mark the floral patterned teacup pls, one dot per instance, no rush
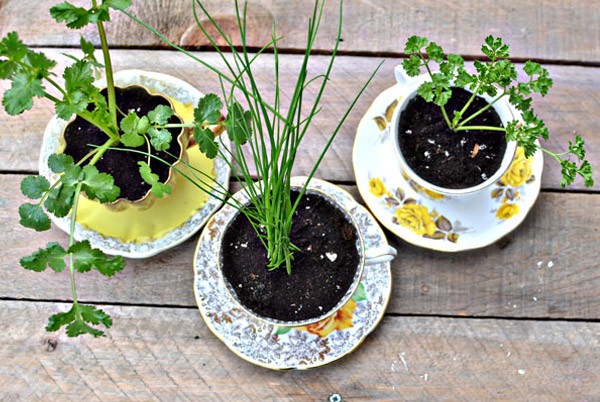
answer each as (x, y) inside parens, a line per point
(408, 86)
(331, 318)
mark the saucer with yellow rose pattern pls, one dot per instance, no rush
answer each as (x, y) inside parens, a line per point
(303, 347)
(428, 219)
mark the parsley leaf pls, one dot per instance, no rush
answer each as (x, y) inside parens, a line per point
(53, 256)
(238, 124)
(100, 186)
(34, 217)
(75, 17)
(158, 189)
(87, 258)
(133, 128)
(160, 115)
(34, 186)
(76, 320)
(206, 141)
(20, 95)
(160, 138)
(208, 110)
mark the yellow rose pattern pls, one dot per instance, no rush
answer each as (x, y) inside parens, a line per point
(508, 188)
(407, 212)
(341, 320)
(376, 187)
(415, 217)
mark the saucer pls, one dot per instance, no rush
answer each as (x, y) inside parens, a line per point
(304, 347)
(170, 220)
(423, 217)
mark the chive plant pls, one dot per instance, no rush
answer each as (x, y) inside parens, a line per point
(271, 133)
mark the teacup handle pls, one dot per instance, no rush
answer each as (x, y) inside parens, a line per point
(401, 77)
(380, 254)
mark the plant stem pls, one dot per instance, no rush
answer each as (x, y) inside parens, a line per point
(466, 106)
(443, 108)
(490, 128)
(489, 105)
(72, 241)
(110, 83)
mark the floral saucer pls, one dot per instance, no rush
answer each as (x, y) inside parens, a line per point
(304, 347)
(136, 233)
(428, 219)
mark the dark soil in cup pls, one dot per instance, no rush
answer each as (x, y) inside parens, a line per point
(123, 166)
(322, 272)
(446, 158)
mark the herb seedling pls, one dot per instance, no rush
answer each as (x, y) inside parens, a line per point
(272, 133)
(496, 77)
(30, 72)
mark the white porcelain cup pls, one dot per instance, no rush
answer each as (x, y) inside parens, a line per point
(408, 90)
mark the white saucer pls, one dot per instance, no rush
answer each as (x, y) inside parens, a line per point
(199, 212)
(282, 348)
(426, 219)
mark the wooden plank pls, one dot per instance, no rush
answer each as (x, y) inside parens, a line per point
(547, 268)
(571, 107)
(169, 354)
(566, 30)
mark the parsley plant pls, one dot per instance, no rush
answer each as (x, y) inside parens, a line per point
(496, 77)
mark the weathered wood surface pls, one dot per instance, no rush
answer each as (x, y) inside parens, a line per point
(571, 106)
(547, 268)
(565, 30)
(169, 354)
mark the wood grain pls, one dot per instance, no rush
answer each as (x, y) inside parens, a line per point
(566, 30)
(169, 354)
(570, 107)
(509, 279)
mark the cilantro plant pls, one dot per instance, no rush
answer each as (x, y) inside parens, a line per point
(498, 78)
(271, 132)
(31, 76)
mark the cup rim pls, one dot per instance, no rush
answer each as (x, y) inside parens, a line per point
(504, 110)
(242, 196)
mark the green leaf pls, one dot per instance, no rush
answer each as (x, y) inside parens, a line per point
(58, 320)
(238, 124)
(20, 95)
(435, 52)
(117, 4)
(73, 103)
(79, 75)
(206, 141)
(577, 149)
(158, 189)
(87, 258)
(414, 44)
(426, 91)
(34, 186)
(412, 66)
(76, 318)
(208, 110)
(12, 47)
(360, 294)
(160, 115)
(53, 256)
(160, 138)
(75, 17)
(100, 186)
(58, 163)
(34, 217)
(133, 127)
(60, 200)
(40, 63)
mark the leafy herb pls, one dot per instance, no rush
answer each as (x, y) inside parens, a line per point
(30, 73)
(498, 78)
